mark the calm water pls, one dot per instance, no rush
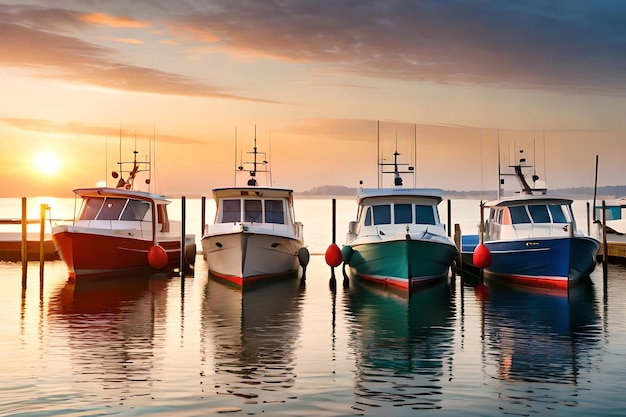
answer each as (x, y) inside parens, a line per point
(196, 347)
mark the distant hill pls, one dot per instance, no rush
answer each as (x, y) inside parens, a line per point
(337, 190)
(606, 192)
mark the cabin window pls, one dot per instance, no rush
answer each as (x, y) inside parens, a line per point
(91, 208)
(519, 215)
(539, 213)
(112, 208)
(382, 214)
(274, 212)
(424, 214)
(252, 211)
(402, 214)
(493, 216)
(135, 210)
(231, 211)
(368, 217)
(557, 212)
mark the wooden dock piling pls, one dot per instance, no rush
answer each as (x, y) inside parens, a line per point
(24, 242)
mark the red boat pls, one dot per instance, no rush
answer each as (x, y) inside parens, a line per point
(120, 230)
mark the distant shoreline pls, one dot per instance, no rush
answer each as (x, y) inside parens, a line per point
(604, 192)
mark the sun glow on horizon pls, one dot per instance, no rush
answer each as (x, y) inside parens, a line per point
(47, 163)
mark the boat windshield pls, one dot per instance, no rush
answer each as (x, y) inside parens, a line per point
(402, 214)
(540, 213)
(114, 209)
(254, 211)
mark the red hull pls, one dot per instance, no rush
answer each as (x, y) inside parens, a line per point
(251, 281)
(92, 255)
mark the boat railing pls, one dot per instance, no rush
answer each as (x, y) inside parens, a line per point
(298, 229)
(534, 230)
(230, 226)
(140, 228)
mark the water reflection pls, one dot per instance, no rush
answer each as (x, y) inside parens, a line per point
(249, 338)
(108, 328)
(540, 337)
(402, 345)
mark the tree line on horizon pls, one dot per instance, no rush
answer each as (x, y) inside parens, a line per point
(611, 191)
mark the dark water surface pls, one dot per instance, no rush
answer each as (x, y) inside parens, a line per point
(197, 347)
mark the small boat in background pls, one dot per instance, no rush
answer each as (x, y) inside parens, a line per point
(532, 238)
(397, 238)
(615, 227)
(255, 235)
(119, 230)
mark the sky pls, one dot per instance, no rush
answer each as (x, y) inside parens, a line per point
(327, 87)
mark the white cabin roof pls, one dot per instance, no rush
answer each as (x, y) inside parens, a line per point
(528, 199)
(232, 192)
(119, 193)
(397, 192)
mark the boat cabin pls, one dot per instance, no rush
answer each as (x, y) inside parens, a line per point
(117, 212)
(529, 218)
(402, 209)
(270, 208)
(254, 206)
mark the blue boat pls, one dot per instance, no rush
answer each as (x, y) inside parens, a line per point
(533, 239)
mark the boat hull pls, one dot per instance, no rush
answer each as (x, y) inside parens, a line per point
(244, 258)
(90, 255)
(405, 264)
(546, 262)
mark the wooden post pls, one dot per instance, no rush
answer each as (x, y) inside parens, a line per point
(203, 216)
(24, 242)
(334, 231)
(333, 280)
(588, 220)
(457, 243)
(482, 236)
(449, 218)
(604, 248)
(42, 236)
(182, 238)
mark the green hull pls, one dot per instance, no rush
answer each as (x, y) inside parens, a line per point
(402, 263)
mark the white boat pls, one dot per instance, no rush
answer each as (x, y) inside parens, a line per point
(615, 219)
(397, 238)
(255, 235)
(120, 230)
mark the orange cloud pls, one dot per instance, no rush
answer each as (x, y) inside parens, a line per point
(73, 129)
(64, 57)
(104, 19)
(130, 41)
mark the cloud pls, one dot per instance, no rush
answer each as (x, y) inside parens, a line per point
(130, 41)
(52, 55)
(74, 129)
(523, 44)
(113, 21)
(527, 44)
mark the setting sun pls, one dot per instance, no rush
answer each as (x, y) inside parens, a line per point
(47, 163)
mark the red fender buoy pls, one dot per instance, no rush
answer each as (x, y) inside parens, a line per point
(333, 255)
(481, 257)
(157, 257)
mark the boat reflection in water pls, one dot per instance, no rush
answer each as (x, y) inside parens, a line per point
(108, 328)
(248, 338)
(402, 344)
(542, 337)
